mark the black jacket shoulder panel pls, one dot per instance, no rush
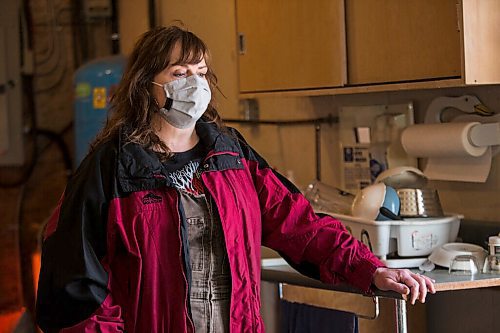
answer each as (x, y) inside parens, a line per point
(73, 282)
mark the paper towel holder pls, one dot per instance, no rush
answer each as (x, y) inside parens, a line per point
(467, 139)
(487, 133)
(468, 104)
(484, 135)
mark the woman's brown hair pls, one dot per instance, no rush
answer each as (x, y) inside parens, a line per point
(133, 104)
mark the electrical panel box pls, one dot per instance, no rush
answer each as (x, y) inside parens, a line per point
(11, 110)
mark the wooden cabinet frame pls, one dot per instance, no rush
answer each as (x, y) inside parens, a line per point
(479, 25)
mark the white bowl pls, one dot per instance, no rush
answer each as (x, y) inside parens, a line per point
(401, 177)
(368, 201)
(445, 254)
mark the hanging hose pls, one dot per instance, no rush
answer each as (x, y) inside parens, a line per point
(58, 140)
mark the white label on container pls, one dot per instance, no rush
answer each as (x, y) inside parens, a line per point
(423, 241)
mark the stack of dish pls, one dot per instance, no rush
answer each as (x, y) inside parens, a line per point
(417, 199)
(400, 218)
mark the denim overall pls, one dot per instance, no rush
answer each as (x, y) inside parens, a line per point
(211, 284)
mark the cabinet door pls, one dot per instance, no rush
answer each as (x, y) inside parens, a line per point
(394, 40)
(290, 44)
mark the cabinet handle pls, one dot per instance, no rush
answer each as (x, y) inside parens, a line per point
(459, 16)
(242, 42)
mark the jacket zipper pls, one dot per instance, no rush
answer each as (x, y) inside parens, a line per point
(186, 296)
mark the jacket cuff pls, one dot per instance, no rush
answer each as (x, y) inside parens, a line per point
(362, 273)
(358, 274)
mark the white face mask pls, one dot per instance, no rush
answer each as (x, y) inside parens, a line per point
(187, 100)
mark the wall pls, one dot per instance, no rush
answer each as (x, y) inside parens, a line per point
(133, 20)
(291, 149)
(286, 148)
(27, 199)
(477, 201)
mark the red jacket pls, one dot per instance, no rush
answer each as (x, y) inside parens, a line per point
(115, 256)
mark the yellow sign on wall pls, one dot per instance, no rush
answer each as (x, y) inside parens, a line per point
(99, 98)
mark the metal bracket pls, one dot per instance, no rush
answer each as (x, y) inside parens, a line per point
(375, 300)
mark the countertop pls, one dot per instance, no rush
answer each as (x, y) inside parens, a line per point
(277, 270)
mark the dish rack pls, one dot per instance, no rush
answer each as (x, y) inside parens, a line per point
(406, 243)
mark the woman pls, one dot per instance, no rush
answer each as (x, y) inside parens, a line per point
(160, 228)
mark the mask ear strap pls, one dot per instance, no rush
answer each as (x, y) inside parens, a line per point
(168, 103)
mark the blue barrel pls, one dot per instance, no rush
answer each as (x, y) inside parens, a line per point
(94, 84)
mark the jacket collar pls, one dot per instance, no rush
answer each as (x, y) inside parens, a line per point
(216, 140)
(140, 169)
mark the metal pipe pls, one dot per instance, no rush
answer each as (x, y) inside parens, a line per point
(400, 315)
(376, 311)
(317, 130)
(324, 120)
(115, 33)
(152, 14)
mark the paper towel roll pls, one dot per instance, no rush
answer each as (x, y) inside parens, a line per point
(449, 153)
(464, 169)
(440, 140)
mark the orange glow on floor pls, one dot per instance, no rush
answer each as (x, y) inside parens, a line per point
(35, 262)
(10, 320)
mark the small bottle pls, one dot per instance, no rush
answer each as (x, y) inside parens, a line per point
(492, 262)
(494, 245)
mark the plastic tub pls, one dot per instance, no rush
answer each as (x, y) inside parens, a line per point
(412, 237)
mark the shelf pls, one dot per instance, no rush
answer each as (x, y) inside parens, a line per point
(448, 83)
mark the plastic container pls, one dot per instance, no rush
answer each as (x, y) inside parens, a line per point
(494, 245)
(492, 261)
(94, 85)
(409, 238)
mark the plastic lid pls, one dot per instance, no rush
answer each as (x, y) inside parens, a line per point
(494, 240)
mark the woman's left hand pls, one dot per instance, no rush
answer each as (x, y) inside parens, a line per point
(405, 282)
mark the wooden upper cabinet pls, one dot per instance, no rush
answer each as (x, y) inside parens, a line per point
(396, 41)
(481, 35)
(290, 44)
(298, 47)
